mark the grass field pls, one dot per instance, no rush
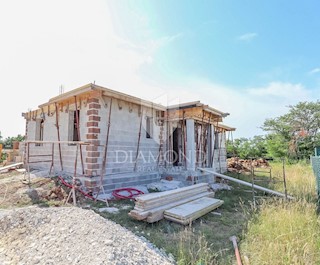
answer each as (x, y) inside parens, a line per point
(274, 232)
(285, 232)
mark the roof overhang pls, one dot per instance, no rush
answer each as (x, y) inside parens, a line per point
(102, 92)
(194, 104)
(225, 127)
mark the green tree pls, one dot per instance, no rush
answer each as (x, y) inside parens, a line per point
(246, 147)
(8, 142)
(277, 146)
(296, 133)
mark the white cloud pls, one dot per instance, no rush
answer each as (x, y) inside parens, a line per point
(247, 36)
(314, 71)
(248, 108)
(46, 44)
(281, 90)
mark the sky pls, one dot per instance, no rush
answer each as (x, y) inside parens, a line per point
(251, 59)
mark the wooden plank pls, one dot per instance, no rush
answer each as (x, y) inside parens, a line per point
(188, 212)
(156, 214)
(157, 195)
(178, 196)
(57, 142)
(193, 113)
(11, 166)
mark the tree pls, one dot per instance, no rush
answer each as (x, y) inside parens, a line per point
(296, 133)
(8, 142)
(277, 146)
(246, 147)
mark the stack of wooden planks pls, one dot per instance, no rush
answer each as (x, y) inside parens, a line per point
(151, 207)
(186, 213)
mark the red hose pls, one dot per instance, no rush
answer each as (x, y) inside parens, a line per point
(116, 193)
(132, 193)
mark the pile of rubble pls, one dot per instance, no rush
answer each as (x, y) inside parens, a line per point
(244, 165)
(70, 235)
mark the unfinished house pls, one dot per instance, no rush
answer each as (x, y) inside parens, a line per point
(109, 139)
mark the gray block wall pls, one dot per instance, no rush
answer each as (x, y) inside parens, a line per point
(124, 135)
(50, 134)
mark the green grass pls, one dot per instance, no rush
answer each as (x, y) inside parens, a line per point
(205, 242)
(285, 232)
(274, 232)
(301, 182)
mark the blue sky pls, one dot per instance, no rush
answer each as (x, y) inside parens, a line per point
(248, 58)
(236, 43)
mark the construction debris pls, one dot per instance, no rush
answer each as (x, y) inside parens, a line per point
(235, 164)
(184, 214)
(56, 193)
(220, 186)
(109, 210)
(70, 235)
(16, 165)
(164, 185)
(151, 207)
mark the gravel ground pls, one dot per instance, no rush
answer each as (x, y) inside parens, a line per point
(70, 235)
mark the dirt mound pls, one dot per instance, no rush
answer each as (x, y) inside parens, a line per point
(70, 235)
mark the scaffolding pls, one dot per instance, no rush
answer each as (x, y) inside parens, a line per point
(49, 157)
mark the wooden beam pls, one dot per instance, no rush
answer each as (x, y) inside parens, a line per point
(11, 166)
(196, 113)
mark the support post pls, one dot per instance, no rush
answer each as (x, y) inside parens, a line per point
(219, 153)
(284, 178)
(74, 178)
(52, 159)
(184, 139)
(138, 145)
(78, 130)
(191, 151)
(58, 132)
(212, 146)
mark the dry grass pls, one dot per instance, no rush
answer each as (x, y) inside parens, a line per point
(286, 232)
(283, 233)
(301, 182)
(194, 250)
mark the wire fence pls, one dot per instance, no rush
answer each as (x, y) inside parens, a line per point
(315, 161)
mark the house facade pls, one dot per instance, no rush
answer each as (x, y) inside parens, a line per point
(124, 140)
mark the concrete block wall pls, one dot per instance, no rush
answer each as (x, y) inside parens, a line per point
(220, 157)
(93, 117)
(122, 145)
(123, 137)
(68, 152)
